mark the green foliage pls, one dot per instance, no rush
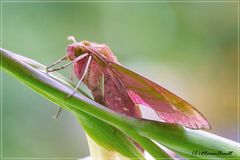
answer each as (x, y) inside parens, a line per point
(110, 129)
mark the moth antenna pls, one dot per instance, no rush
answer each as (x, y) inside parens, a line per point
(72, 38)
(93, 51)
(58, 113)
(89, 49)
(55, 63)
(80, 81)
(75, 60)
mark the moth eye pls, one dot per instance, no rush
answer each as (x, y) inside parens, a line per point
(78, 51)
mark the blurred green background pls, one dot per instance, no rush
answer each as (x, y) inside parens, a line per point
(189, 48)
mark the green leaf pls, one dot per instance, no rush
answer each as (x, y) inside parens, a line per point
(181, 140)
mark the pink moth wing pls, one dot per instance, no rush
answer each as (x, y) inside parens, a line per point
(168, 106)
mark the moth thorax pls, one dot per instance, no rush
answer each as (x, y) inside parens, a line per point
(86, 43)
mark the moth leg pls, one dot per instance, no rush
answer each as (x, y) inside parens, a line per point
(55, 63)
(102, 84)
(58, 113)
(56, 69)
(72, 75)
(75, 60)
(80, 81)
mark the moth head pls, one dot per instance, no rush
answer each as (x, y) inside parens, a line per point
(76, 48)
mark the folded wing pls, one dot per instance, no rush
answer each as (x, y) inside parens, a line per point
(168, 106)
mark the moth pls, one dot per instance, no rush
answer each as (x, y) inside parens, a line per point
(123, 90)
